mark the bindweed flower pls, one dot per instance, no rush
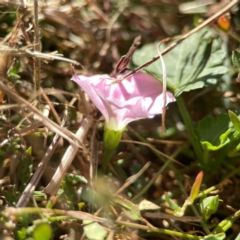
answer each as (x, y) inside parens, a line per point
(137, 97)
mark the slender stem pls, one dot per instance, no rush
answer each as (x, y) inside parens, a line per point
(158, 230)
(111, 140)
(106, 159)
(36, 46)
(188, 123)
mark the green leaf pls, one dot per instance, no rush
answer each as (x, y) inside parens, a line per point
(10, 197)
(69, 191)
(129, 208)
(29, 151)
(93, 230)
(236, 59)
(209, 206)
(213, 132)
(225, 224)
(195, 187)
(171, 203)
(193, 64)
(42, 231)
(24, 170)
(69, 184)
(74, 179)
(219, 236)
(216, 133)
(21, 234)
(235, 120)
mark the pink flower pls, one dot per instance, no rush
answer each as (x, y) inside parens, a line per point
(139, 96)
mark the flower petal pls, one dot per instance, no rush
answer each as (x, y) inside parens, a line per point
(139, 96)
(87, 84)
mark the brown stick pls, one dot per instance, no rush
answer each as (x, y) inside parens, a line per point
(36, 61)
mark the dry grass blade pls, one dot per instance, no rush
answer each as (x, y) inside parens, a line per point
(28, 5)
(49, 103)
(38, 115)
(70, 153)
(133, 178)
(164, 83)
(84, 216)
(74, 214)
(35, 54)
(36, 46)
(28, 191)
(160, 215)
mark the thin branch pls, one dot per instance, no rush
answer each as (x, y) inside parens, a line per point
(36, 46)
(184, 37)
(157, 230)
(164, 84)
(49, 103)
(36, 54)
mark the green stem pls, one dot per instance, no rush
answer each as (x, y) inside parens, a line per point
(106, 159)
(188, 123)
(111, 140)
(158, 230)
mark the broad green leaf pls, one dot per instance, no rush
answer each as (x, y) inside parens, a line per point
(212, 131)
(42, 231)
(216, 133)
(209, 206)
(24, 170)
(217, 137)
(93, 230)
(193, 64)
(235, 120)
(236, 59)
